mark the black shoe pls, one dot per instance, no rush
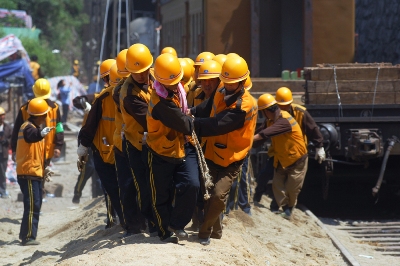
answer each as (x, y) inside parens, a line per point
(257, 197)
(180, 233)
(205, 241)
(76, 199)
(30, 242)
(171, 239)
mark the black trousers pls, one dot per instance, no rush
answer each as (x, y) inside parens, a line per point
(178, 182)
(32, 193)
(140, 172)
(109, 181)
(127, 194)
(266, 174)
(3, 169)
(83, 177)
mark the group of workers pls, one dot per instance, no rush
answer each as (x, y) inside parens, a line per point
(168, 138)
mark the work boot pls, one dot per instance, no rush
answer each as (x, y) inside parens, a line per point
(171, 239)
(76, 199)
(205, 241)
(180, 233)
(257, 197)
(287, 212)
(30, 242)
(274, 208)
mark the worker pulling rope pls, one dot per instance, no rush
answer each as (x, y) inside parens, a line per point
(205, 172)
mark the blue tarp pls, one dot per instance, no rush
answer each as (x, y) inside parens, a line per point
(17, 68)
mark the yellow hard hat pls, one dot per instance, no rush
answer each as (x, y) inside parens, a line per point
(248, 84)
(210, 69)
(190, 60)
(2, 111)
(121, 61)
(167, 69)
(138, 58)
(114, 75)
(169, 50)
(187, 70)
(235, 69)
(76, 62)
(105, 67)
(203, 57)
(284, 96)
(220, 58)
(42, 88)
(38, 106)
(266, 100)
(230, 55)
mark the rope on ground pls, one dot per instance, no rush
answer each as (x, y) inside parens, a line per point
(205, 172)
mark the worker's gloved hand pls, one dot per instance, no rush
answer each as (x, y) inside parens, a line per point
(81, 163)
(82, 150)
(87, 107)
(144, 138)
(47, 174)
(46, 131)
(320, 154)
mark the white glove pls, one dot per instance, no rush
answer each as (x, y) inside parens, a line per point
(87, 108)
(320, 154)
(144, 138)
(82, 150)
(46, 131)
(47, 174)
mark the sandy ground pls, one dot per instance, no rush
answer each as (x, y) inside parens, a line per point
(75, 235)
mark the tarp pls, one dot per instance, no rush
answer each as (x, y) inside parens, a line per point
(77, 88)
(10, 45)
(17, 68)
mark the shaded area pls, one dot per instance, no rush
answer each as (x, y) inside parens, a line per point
(350, 192)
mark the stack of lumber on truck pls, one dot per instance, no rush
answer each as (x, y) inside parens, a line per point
(372, 83)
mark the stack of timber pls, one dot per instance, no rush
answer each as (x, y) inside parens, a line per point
(356, 84)
(271, 85)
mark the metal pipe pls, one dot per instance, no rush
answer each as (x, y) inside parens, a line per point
(375, 190)
(127, 23)
(102, 44)
(338, 161)
(119, 26)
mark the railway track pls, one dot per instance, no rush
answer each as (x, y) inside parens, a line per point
(385, 236)
(381, 236)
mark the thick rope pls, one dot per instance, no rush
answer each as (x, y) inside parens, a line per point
(205, 172)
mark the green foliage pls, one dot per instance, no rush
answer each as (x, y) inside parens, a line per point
(11, 21)
(51, 64)
(8, 4)
(60, 22)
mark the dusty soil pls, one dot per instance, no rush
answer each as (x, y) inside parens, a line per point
(75, 235)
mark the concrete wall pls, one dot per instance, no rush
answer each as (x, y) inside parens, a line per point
(329, 31)
(227, 27)
(378, 29)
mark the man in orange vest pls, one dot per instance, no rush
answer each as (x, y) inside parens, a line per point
(290, 153)
(228, 133)
(36, 70)
(174, 172)
(30, 158)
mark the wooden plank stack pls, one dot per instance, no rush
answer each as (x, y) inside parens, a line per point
(356, 84)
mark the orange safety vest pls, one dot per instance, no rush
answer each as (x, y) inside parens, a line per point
(233, 146)
(132, 129)
(29, 156)
(298, 114)
(76, 70)
(288, 147)
(51, 121)
(35, 69)
(119, 122)
(104, 138)
(191, 93)
(163, 140)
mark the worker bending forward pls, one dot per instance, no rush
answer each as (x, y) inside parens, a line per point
(290, 153)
